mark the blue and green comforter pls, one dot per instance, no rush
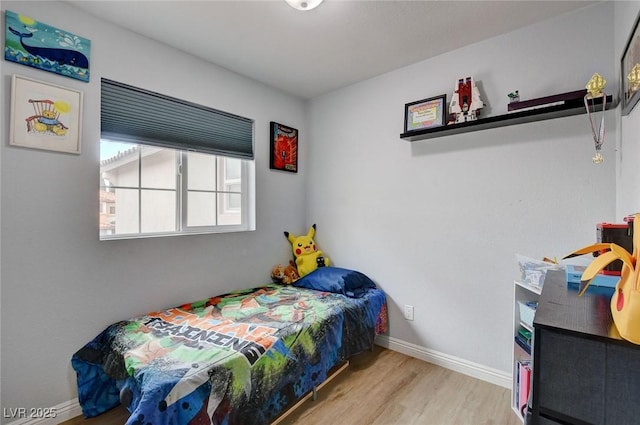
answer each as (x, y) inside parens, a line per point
(240, 358)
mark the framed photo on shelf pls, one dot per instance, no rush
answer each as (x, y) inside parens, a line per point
(630, 66)
(426, 113)
(45, 116)
(284, 148)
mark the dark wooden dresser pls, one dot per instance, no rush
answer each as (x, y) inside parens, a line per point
(583, 372)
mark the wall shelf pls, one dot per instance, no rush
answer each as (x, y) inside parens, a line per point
(571, 107)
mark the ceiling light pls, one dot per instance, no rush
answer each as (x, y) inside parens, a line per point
(304, 4)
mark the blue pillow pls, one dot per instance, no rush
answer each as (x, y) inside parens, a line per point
(338, 280)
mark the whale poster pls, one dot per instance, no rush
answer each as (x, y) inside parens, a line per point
(33, 43)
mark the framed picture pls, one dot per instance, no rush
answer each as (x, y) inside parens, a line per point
(284, 148)
(45, 116)
(36, 44)
(426, 113)
(630, 66)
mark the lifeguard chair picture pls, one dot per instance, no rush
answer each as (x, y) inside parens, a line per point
(44, 116)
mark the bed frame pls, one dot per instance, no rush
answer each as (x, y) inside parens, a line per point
(313, 394)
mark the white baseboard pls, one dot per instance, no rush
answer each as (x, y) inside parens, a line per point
(475, 370)
(62, 412)
(71, 408)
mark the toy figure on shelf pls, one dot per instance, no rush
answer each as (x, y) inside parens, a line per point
(514, 96)
(465, 102)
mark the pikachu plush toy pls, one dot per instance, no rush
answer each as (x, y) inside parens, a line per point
(308, 257)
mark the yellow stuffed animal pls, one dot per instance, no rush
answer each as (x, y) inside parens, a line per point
(308, 257)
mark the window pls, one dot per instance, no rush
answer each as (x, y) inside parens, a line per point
(168, 166)
(147, 190)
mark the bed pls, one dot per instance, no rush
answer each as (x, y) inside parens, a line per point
(240, 358)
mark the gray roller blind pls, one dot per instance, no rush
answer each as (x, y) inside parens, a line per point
(131, 114)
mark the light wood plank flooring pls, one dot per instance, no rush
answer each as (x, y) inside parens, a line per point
(384, 387)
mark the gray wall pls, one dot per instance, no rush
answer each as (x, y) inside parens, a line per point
(60, 284)
(437, 223)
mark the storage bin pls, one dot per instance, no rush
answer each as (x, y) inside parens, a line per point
(527, 312)
(533, 272)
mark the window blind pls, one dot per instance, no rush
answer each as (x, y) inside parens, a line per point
(135, 115)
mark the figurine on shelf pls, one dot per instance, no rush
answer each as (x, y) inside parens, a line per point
(466, 102)
(514, 96)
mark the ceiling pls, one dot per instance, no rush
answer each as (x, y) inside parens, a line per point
(307, 54)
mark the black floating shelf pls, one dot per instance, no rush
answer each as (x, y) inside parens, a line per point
(571, 107)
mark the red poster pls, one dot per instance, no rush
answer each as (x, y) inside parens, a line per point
(284, 148)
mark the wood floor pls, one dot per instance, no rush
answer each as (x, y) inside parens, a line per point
(384, 387)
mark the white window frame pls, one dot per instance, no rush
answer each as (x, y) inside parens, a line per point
(247, 195)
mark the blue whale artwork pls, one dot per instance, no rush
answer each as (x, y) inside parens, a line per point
(32, 43)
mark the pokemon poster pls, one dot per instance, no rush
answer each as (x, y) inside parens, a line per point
(284, 148)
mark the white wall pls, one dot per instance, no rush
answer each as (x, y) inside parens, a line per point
(60, 284)
(628, 175)
(437, 223)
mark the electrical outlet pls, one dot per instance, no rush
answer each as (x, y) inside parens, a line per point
(408, 312)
